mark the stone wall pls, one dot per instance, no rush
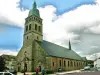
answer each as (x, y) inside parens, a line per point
(21, 56)
(66, 64)
(39, 56)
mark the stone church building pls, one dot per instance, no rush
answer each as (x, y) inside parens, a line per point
(37, 52)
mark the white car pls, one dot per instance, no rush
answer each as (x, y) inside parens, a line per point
(6, 73)
(87, 68)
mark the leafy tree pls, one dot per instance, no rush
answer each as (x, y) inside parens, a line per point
(2, 64)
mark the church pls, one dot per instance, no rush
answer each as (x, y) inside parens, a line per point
(40, 53)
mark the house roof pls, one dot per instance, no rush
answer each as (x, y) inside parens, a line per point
(84, 59)
(58, 51)
(8, 57)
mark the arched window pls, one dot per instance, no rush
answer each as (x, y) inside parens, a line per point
(39, 29)
(37, 38)
(39, 21)
(68, 63)
(77, 64)
(26, 28)
(30, 27)
(27, 37)
(53, 63)
(34, 18)
(35, 26)
(60, 62)
(74, 64)
(64, 63)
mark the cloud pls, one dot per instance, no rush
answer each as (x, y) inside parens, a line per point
(80, 26)
(11, 14)
(93, 56)
(67, 24)
(8, 52)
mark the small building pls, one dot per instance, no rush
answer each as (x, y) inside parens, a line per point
(10, 61)
(90, 62)
(84, 61)
(40, 53)
(97, 63)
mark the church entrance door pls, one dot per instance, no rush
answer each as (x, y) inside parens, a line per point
(40, 68)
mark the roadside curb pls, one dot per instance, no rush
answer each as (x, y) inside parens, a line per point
(57, 73)
(70, 72)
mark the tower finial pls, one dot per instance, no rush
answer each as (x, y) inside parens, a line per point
(35, 5)
(69, 45)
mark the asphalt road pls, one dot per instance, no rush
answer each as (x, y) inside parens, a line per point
(85, 73)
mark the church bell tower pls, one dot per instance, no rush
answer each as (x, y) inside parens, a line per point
(33, 26)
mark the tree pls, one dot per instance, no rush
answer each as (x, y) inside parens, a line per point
(2, 64)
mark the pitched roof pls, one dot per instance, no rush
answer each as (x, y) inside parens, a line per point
(9, 57)
(84, 59)
(58, 51)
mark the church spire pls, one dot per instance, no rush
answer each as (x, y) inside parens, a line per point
(34, 10)
(34, 5)
(69, 45)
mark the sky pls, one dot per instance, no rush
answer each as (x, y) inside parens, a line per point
(77, 20)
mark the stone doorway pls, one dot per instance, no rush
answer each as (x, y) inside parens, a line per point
(18, 68)
(40, 68)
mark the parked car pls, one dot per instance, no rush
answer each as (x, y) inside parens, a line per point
(13, 71)
(97, 64)
(87, 68)
(6, 73)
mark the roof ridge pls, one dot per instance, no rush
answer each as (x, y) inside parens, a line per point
(56, 50)
(55, 44)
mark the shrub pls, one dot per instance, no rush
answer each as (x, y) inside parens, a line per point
(49, 71)
(22, 71)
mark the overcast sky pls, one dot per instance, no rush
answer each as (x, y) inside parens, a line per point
(77, 20)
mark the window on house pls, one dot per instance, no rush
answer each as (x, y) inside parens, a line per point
(26, 28)
(35, 26)
(30, 27)
(39, 29)
(60, 62)
(64, 63)
(53, 63)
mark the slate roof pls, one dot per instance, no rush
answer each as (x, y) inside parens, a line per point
(84, 59)
(58, 51)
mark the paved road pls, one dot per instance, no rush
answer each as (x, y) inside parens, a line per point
(84, 73)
